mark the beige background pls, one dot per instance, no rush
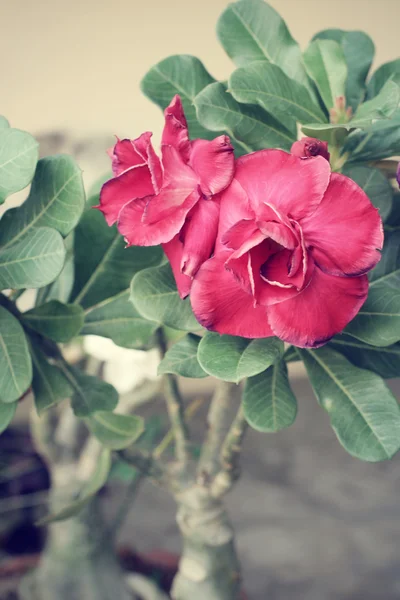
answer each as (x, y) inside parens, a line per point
(76, 65)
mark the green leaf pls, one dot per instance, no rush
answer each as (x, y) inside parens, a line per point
(267, 85)
(103, 266)
(383, 361)
(182, 360)
(32, 262)
(364, 414)
(49, 385)
(56, 200)
(15, 362)
(359, 50)
(116, 318)
(374, 184)
(380, 140)
(97, 480)
(233, 358)
(7, 411)
(251, 30)
(4, 124)
(326, 65)
(90, 394)
(18, 158)
(60, 289)
(268, 402)
(154, 295)
(250, 126)
(180, 74)
(115, 431)
(387, 71)
(55, 320)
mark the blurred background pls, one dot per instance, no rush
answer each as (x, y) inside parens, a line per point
(312, 522)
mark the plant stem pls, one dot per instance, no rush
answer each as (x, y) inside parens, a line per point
(145, 463)
(216, 421)
(169, 436)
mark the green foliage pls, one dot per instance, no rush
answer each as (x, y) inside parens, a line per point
(115, 431)
(7, 411)
(363, 412)
(251, 127)
(383, 361)
(182, 359)
(267, 85)
(18, 158)
(32, 262)
(233, 358)
(49, 384)
(15, 362)
(268, 401)
(326, 65)
(154, 295)
(380, 140)
(374, 184)
(116, 318)
(54, 320)
(387, 71)
(90, 394)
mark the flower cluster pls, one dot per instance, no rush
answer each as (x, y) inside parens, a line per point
(270, 244)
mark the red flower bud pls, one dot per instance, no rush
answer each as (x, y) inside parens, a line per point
(308, 147)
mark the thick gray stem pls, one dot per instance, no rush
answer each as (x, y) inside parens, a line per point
(209, 568)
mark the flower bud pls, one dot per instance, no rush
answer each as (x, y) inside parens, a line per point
(308, 147)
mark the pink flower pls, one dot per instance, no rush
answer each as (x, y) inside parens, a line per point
(169, 201)
(308, 147)
(293, 246)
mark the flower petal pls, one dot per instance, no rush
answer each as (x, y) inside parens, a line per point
(176, 129)
(320, 311)
(345, 231)
(293, 185)
(214, 163)
(234, 208)
(221, 305)
(144, 148)
(174, 251)
(124, 156)
(130, 185)
(199, 234)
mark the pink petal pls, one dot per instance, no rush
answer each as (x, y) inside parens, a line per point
(174, 251)
(280, 233)
(176, 130)
(124, 156)
(221, 305)
(137, 231)
(214, 163)
(345, 231)
(320, 311)
(134, 183)
(144, 148)
(239, 233)
(199, 234)
(294, 186)
(234, 208)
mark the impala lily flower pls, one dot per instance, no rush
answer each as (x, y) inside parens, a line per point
(308, 147)
(294, 244)
(169, 201)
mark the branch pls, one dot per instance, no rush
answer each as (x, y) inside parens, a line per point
(146, 464)
(175, 408)
(216, 421)
(230, 456)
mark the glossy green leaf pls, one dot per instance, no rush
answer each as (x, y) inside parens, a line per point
(383, 361)
(32, 262)
(181, 358)
(116, 318)
(326, 65)
(380, 140)
(251, 127)
(268, 401)
(115, 431)
(60, 289)
(363, 412)
(154, 295)
(180, 74)
(387, 71)
(15, 362)
(97, 480)
(374, 184)
(55, 320)
(267, 85)
(378, 322)
(7, 412)
(251, 30)
(18, 158)
(4, 124)
(103, 266)
(90, 394)
(233, 358)
(359, 50)
(49, 385)
(56, 200)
